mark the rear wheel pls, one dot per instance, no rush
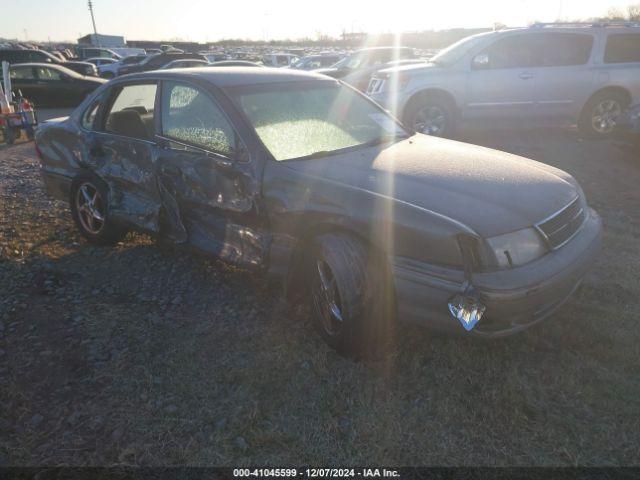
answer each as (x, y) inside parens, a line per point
(601, 113)
(431, 115)
(89, 202)
(351, 297)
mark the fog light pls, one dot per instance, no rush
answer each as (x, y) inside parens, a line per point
(467, 309)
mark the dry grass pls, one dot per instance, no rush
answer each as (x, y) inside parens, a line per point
(229, 375)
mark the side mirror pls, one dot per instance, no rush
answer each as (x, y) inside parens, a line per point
(481, 60)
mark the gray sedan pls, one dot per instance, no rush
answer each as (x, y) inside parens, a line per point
(302, 178)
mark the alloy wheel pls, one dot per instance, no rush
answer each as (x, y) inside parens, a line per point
(605, 115)
(90, 208)
(326, 299)
(430, 120)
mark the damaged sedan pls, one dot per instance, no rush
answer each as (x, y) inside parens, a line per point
(301, 177)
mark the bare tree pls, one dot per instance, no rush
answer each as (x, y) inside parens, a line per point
(633, 11)
(614, 14)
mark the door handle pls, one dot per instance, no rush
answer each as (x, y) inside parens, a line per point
(526, 75)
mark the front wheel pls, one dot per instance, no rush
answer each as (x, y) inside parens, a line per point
(601, 114)
(89, 209)
(351, 297)
(431, 115)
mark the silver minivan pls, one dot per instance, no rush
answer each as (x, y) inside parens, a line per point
(585, 73)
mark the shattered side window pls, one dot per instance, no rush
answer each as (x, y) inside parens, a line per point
(189, 115)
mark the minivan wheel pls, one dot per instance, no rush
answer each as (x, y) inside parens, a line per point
(431, 115)
(351, 298)
(600, 115)
(88, 199)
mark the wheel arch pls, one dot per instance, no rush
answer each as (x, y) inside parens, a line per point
(608, 89)
(294, 283)
(431, 92)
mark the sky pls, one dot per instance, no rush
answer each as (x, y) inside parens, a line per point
(209, 20)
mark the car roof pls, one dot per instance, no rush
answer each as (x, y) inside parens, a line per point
(55, 66)
(235, 76)
(570, 28)
(39, 64)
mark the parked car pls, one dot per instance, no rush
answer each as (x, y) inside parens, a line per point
(156, 61)
(313, 62)
(279, 59)
(188, 63)
(84, 53)
(68, 54)
(368, 223)
(40, 56)
(170, 48)
(212, 57)
(48, 85)
(58, 56)
(357, 68)
(107, 67)
(582, 73)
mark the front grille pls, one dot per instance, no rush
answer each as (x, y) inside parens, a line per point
(560, 227)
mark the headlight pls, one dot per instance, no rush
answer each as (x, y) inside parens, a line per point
(386, 82)
(517, 248)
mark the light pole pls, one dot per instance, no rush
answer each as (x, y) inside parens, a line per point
(93, 20)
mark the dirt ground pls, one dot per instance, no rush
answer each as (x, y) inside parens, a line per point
(149, 355)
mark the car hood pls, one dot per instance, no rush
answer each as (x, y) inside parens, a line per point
(417, 68)
(490, 191)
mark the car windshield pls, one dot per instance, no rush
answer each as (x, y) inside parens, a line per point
(301, 62)
(456, 51)
(314, 119)
(352, 61)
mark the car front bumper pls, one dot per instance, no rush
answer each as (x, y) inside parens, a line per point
(515, 299)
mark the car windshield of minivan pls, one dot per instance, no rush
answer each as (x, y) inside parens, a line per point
(454, 52)
(314, 120)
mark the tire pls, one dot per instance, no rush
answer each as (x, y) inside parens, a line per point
(351, 297)
(432, 115)
(606, 106)
(99, 231)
